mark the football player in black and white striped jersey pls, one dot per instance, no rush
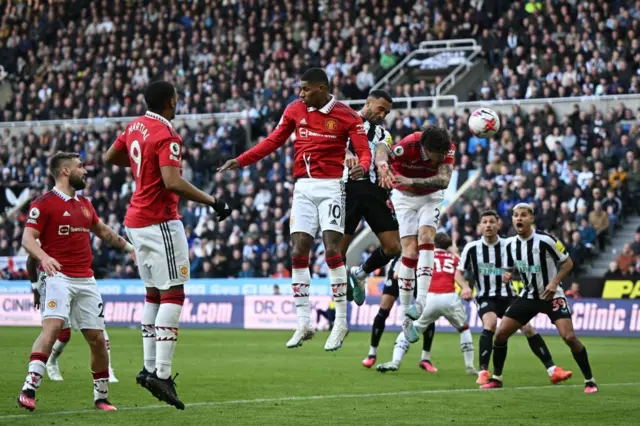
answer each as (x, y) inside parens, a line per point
(543, 262)
(484, 258)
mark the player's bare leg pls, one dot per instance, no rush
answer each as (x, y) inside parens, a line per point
(579, 352)
(424, 273)
(40, 352)
(99, 368)
(539, 348)
(53, 369)
(379, 322)
(389, 248)
(489, 322)
(508, 327)
(300, 282)
(407, 271)
(160, 383)
(338, 280)
(107, 342)
(148, 328)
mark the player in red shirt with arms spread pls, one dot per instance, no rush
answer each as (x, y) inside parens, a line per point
(322, 127)
(421, 168)
(443, 301)
(153, 150)
(62, 220)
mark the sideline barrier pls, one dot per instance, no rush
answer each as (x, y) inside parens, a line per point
(592, 317)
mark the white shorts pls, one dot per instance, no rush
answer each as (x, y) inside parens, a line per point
(414, 211)
(77, 301)
(162, 253)
(446, 305)
(318, 202)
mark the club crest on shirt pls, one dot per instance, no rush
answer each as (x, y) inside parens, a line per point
(52, 304)
(331, 124)
(86, 212)
(184, 271)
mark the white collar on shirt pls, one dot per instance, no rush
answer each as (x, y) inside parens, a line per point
(64, 196)
(486, 243)
(158, 117)
(325, 109)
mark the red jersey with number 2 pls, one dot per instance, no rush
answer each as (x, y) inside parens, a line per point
(444, 272)
(151, 143)
(411, 160)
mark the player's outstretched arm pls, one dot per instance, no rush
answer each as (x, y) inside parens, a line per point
(117, 153)
(439, 181)
(30, 244)
(176, 183)
(275, 140)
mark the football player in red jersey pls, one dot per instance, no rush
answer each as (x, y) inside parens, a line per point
(421, 168)
(153, 150)
(443, 301)
(322, 127)
(62, 220)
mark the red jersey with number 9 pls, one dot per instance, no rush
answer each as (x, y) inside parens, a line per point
(151, 143)
(444, 272)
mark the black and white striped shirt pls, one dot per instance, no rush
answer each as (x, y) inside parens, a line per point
(537, 259)
(376, 135)
(486, 262)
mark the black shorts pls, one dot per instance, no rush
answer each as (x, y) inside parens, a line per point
(523, 310)
(497, 305)
(367, 200)
(391, 287)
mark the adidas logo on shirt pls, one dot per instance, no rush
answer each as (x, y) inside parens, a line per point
(66, 214)
(303, 122)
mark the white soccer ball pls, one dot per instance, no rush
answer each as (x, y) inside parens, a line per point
(484, 123)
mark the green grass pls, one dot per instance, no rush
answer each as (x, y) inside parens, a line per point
(255, 373)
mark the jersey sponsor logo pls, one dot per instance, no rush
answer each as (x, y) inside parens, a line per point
(332, 124)
(86, 212)
(525, 268)
(489, 269)
(66, 213)
(66, 230)
(304, 133)
(51, 304)
(184, 271)
(398, 151)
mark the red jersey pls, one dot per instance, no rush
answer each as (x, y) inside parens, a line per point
(151, 143)
(64, 224)
(444, 272)
(411, 160)
(321, 137)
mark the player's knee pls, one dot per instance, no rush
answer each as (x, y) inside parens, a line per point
(383, 314)
(571, 339)
(174, 295)
(500, 338)
(332, 250)
(392, 249)
(96, 341)
(528, 330)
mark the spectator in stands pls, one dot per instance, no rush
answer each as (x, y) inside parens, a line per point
(578, 252)
(614, 271)
(635, 246)
(599, 219)
(627, 258)
(574, 291)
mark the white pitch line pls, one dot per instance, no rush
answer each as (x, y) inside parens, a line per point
(314, 398)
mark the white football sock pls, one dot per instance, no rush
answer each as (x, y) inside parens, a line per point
(400, 349)
(373, 351)
(148, 320)
(466, 345)
(166, 325)
(108, 344)
(301, 280)
(406, 282)
(56, 351)
(34, 375)
(101, 385)
(426, 355)
(550, 370)
(338, 280)
(424, 272)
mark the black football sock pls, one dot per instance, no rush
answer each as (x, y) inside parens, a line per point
(583, 362)
(428, 336)
(486, 346)
(499, 357)
(377, 260)
(378, 326)
(539, 347)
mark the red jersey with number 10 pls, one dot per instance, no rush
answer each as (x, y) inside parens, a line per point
(444, 272)
(321, 137)
(64, 224)
(151, 143)
(411, 160)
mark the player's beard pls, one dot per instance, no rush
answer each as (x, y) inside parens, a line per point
(77, 182)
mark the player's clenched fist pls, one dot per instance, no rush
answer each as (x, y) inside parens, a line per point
(229, 165)
(50, 266)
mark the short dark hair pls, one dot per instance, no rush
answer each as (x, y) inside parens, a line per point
(157, 94)
(435, 139)
(57, 161)
(379, 93)
(315, 75)
(490, 213)
(443, 241)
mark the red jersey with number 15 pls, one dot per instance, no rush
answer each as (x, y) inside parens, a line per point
(444, 272)
(411, 160)
(151, 143)
(64, 224)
